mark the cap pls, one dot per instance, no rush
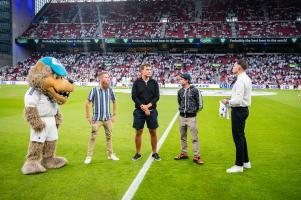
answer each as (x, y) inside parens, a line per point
(55, 65)
(187, 77)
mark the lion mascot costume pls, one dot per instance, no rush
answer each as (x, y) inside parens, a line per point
(49, 88)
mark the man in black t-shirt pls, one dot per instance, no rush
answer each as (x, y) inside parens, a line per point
(145, 94)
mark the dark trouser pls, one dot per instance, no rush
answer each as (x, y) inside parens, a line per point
(238, 118)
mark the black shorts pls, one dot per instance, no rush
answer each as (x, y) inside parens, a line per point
(140, 118)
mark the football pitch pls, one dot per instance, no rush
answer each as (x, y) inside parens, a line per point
(273, 132)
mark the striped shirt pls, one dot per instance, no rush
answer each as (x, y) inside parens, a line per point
(101, 103)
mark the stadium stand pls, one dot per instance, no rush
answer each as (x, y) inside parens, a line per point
(264, 68)
(184, 20)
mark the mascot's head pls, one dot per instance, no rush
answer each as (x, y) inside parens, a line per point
(49, 76)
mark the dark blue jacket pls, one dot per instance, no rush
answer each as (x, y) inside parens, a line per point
(190, 101)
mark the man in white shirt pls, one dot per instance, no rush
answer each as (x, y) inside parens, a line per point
(239, 102)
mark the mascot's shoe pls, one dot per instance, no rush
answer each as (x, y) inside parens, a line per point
(32, 164)
(54, 163)
(49, 160)
(32, 167)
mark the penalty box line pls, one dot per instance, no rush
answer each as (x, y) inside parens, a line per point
(129, 194)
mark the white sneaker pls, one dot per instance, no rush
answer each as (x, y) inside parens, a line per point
(113, 157)
(247, 165)
(88, 160)
(235, 169)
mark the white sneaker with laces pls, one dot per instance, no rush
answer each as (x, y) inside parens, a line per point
(113, 157)
(247, 165)
(235, 169)
(88, 160)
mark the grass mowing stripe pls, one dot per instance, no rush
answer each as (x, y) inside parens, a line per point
(135, 184)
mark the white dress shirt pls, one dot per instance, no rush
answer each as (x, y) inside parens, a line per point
(241, 91)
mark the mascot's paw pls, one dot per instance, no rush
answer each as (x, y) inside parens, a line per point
(53, 163)
(58, 119)
(32, 167)
(34, 119)
(39, 127)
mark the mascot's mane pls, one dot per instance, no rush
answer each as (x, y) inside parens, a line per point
(37, 74)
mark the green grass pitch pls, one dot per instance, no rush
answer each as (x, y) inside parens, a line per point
(273, 133)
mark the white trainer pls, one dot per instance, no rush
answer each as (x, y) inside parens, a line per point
(88, 160)
(247, 165)
(235, 169)
(113, 157)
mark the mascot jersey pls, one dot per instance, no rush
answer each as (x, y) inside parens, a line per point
(47, 109)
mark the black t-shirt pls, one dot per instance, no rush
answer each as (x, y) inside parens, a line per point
(145, 92)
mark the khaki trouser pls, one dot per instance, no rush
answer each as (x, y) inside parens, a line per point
(108, 132)
(192, 124)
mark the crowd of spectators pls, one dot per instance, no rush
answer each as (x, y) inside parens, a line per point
(271, 29)
(64, 31)
(264, 69)
(132, 30)
(184, 19)
(172, 30)
(198, 30)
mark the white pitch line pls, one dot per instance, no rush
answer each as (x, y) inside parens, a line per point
(137, 181)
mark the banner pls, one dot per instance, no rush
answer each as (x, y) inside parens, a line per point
(196, 41)
(152, 41)
(22, 40)
(169, 85)
(13, 83)
(60, 41)
(263, 40)
(286, 87)
(216, 65)
(294, 65)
